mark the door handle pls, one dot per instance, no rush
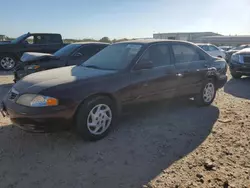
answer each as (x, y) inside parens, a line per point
(179, 75)
(206, 65)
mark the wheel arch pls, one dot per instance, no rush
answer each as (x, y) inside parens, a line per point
(213, 76)
(112, 97)
(2, 54)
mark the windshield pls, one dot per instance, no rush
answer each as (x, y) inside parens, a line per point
(67, 50)
(114, 57)
(18, 39)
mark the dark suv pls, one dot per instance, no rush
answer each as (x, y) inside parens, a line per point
(92, 95)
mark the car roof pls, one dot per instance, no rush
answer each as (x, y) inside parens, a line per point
(91, 43)
(44, 34)
(151, 41)
(202, 43)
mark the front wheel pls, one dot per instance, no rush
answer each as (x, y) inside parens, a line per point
(207, 94)
(7, 62)
(95, 118)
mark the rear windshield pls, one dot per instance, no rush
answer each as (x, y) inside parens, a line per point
(67, 50)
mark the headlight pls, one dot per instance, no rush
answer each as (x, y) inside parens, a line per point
(237, 58)
(33, 67)
(34, 100)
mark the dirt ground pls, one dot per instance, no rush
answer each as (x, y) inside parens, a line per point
(165, 144)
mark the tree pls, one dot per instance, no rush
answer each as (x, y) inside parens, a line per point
(105, 39)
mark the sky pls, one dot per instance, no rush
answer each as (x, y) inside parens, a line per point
(123, 18)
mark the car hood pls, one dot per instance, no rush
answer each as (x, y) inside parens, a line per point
(232, 51)
(244, 51)
(34, 56)
(34, 83)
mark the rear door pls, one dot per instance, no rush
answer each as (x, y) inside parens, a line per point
(191, 66)
(84, 53)
(159, 81)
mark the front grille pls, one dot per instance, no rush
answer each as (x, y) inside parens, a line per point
(247, 59)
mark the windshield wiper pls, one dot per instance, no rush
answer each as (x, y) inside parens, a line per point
(91, 66)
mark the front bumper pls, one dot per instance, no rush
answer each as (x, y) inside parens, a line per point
(240, 68)
(44, 119)
(221, 81)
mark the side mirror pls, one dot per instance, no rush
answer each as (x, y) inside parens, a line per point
(144, 64)
(78, 54)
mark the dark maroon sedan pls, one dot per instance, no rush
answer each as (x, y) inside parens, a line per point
(91, 95)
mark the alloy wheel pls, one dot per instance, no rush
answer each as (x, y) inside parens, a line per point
(7, 63)
(99, 119)
(208, 92)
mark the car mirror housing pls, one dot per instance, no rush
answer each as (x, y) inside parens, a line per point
(78, 54)
(143, 65)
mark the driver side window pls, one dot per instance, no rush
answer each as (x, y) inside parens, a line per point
(158, 55)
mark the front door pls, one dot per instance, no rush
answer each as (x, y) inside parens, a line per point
(32, 44)
(157, 82)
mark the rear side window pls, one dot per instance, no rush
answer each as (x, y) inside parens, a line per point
(204, 47)
(48, 39)
(158, 54)
(185, 53)
(212, 48)
(90, 50)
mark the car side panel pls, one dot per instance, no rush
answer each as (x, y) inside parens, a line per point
(152, 84)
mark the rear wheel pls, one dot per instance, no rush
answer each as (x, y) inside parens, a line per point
(236, 75)
(207, 93)
(95, 118)
(7, 62)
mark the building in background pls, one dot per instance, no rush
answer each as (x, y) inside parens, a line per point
(184, 36)
(205, 37)
(225, 40)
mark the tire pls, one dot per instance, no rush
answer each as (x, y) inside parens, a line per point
(207, 93)
(7, 62)
(87, 124)
(236, 75)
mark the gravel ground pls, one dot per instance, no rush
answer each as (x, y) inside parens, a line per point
(165, 144)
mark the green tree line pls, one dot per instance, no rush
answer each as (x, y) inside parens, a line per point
(103, 39)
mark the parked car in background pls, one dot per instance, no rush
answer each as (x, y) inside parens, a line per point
(10, 52)
(213, 50)
(234, 50)
(225, 48)
(240, 63)
(72, 54)
(92, 95)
